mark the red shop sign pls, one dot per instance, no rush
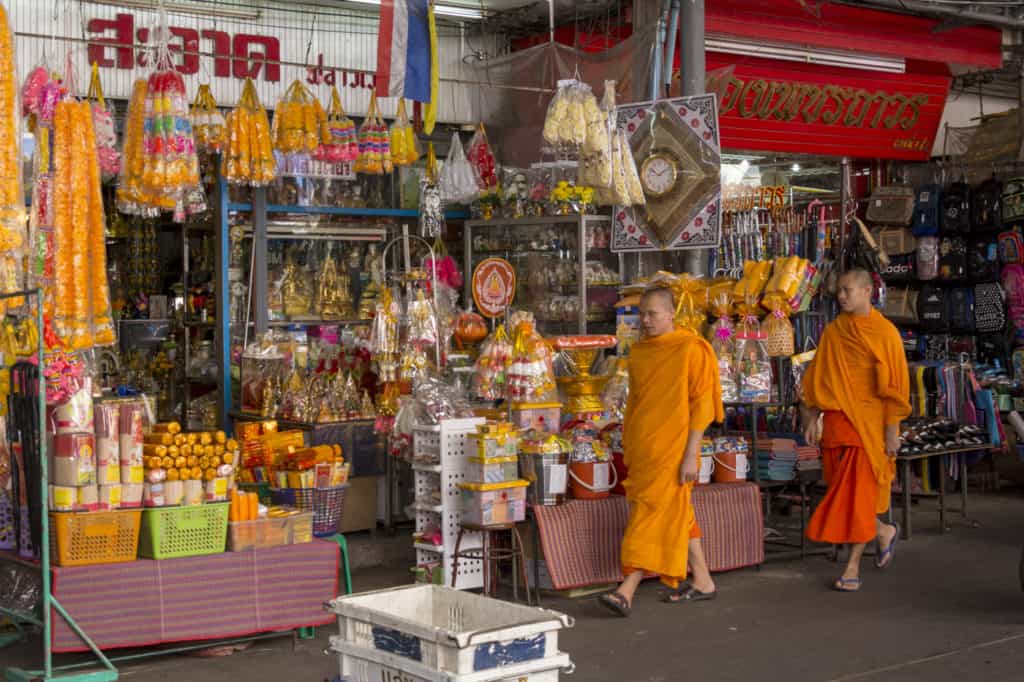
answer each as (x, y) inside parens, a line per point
(494, 286)
(768, 105)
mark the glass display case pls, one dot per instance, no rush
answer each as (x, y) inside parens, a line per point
(566, 274)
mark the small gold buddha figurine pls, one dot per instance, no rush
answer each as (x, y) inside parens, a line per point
(295, 290)
(268, 407)
(334, 297)
(366, 409)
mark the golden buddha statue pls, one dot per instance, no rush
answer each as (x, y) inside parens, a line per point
(295, 290)
(335, 300)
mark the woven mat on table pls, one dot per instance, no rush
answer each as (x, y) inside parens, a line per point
(582, 538)
(148, 602)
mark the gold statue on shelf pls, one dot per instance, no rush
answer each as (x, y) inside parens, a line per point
(334, 296)
(295, 290)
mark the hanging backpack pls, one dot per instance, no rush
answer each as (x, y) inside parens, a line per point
(934, 348)
(994, 349)
(989, 308)
(986, 207)
(1011, 247)
(983, 260)
(900, 305)
(891, 205)
(927, 258)
(956, 209)
(1013, 202)
(895, 241)
(927, 209)
(1013, 288)
(960, 304)
(931, 309)
(952, 259)
(900, 268)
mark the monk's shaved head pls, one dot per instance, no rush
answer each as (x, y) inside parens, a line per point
(859, 277)
(659, 294)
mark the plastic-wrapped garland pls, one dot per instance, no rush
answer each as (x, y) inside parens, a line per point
(250, 155)
(207, 121)
(129, 191)
(296, 121)
(170, 172)
(404, 149)
(490, 378)
(371, 160)
(12, 201)
(338, 142)
(103, 125)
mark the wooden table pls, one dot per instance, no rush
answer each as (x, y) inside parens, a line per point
(905, 461)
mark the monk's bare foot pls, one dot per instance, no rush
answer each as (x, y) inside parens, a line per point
(706, 586)
(886, 536)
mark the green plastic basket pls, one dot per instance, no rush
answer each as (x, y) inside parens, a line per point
(171, 532)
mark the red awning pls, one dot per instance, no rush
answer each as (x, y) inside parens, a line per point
(842, 27)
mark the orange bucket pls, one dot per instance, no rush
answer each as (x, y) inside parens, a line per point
(730, 467)
(592, 480)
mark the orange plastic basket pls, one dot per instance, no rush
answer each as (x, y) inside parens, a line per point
(86, 538)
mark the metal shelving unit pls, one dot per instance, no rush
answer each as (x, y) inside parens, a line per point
(575, 226)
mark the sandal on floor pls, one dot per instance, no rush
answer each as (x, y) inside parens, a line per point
(687, 592)
(884, 557)
(616, 603)
(846, 585)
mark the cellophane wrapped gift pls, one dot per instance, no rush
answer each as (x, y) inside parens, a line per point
(722, 337)
(481, 156)
(753, 363)
(490, 378)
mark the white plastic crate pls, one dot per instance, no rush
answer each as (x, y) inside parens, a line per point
(430, 632)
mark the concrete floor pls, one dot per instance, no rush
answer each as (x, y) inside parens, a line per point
(950, 608)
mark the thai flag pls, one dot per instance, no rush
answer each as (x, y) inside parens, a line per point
(403, 50)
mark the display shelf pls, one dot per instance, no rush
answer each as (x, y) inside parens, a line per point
(533, 293)
(432, 508)
(424, 547)
(306, 323)
(336, 210)
(427, 468)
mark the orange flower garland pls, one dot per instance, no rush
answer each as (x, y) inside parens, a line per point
(129, 193)
(12, 201)
(250, 156)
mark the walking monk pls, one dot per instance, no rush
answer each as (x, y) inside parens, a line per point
(859, 381)
(674, 394)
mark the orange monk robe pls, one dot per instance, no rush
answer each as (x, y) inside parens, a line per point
(673, 389)
(859, 379)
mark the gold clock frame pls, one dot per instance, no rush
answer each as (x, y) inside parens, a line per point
(672, 161)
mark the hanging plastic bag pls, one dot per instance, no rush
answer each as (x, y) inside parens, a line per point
(431, 210)
(371, 149)
(482, 157)
(404, 148)
(207, 121)
(459, 181)
(250, 154)
(103, 125)
(799, 364)
(752, 363)
(338, 135)
(722, 337)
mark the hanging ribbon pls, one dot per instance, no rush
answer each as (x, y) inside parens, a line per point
(430, 112)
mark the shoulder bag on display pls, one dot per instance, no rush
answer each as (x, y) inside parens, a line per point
(1011, 247)
(952, 259)
(900, 268)
(963, 345)
(1013, 202)
(983, 259)
(1013, 289)
(927, 258)
(994, 349)
(931, 309)
(934, 348)
(956, 209)
(986, 206)
(891, 205)
(927, 210)
(895, 241)
(960, 303)
(900, 305)
(989, 308)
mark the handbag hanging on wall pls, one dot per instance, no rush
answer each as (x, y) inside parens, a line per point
(892, 205)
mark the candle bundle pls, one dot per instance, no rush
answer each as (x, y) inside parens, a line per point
(250, 155)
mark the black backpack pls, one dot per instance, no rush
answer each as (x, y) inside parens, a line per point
(994, 349)
(960, 303)
(952, 259)
(989, 308)
(927, 209)
(956, 209)
(986, 205)
(1013, 202)
(901, 268)
(931, 309)
(983, 260)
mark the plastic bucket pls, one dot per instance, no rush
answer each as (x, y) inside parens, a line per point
(730, 467)
(707, 468)
(592, 480)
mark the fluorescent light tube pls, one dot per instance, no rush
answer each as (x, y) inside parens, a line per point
(456, 11)
(797, 53)
(182, 8)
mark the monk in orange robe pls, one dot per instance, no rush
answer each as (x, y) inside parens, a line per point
(674, 395)
(856, 393)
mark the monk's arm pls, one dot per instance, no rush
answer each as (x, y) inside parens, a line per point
(691, 457)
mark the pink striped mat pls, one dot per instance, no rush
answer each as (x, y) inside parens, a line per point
(148, 602)
(581, 539)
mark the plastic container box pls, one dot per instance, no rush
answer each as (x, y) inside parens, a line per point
(171, 532)
(493, 470)
(87, 538)
(429, 632)
(486, 504)
(258, 534)
(542, 416)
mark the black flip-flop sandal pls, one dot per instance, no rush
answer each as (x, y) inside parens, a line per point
(616, 603)
(687, 592)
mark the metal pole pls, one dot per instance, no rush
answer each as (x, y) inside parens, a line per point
(259, 259)
(658, 52)
(222, 289)
(844, 199)
(44, 493)
(692, 72)
(670, 46)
